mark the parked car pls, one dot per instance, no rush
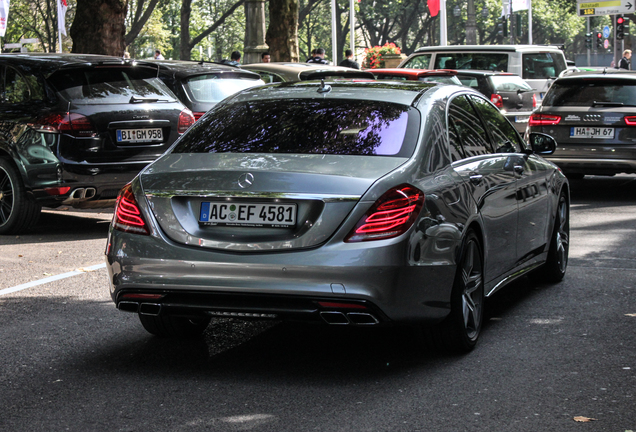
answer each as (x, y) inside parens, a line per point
(422, 75)
(510, 93)
(538, 65)
(289, 72)
(350, 203)
(201, 85)
(592, 116)
(76, 129)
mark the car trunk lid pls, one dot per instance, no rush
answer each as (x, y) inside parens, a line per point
(258, 202)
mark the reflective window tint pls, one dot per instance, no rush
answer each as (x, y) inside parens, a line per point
(419, 62)
(504, 136)
(304, 126)
(19, 88)
(542, 65)
(455, 144)
(478, 61)
(212, 88)
(586, 91)
(469, 127)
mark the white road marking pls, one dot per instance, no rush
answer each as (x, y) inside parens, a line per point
(52, 279)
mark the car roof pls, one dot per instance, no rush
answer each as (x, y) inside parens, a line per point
(608, 72)
(414, 73)
(49, 62)
(479, 73)
(186, 68)
(291, 71)
(400, 92)
(500, 48)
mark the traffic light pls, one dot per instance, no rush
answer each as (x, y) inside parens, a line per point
(599, 40)
(620, 27)
(588, 40)
(502, 27)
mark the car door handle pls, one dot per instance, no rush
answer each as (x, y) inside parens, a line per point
(476, 178)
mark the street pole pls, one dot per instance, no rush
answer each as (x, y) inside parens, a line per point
(442, 23)
(591, 41)
(352, 31)
(334, 34)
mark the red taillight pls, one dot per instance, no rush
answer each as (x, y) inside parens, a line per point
(197, 115)
(127, 216)
(497, 100)
(630, 120)
(543, 120)
(534, 101)
(186, 119)
(390, 216)
(72, 124)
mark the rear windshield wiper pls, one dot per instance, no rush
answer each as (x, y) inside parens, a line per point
(135, 99)
(608, 103)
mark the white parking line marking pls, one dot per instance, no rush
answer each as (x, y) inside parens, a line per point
(52, 279)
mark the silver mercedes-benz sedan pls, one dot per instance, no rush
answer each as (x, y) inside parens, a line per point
(349, 203)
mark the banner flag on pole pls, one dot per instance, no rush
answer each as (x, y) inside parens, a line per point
(61, 16)
(433, 7)
(4, 16)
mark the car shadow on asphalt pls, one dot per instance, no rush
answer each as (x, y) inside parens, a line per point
(608, 190)
(64, 225)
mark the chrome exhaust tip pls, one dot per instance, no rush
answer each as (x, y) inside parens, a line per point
(152, 309)
(334, 318)
(361, 318)
(128, 306)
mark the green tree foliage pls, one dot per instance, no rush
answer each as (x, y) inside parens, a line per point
(38, 19)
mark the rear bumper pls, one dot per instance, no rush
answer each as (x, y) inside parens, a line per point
(196, 282)
(591, 166)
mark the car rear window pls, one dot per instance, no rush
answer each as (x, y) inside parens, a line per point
(587, 91)
(305, 126)
(214, 88)
(110, 85)
(478, 61)
(509, 83)
(542, 65)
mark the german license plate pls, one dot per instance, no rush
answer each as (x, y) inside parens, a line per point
(248, 214)
(140, 135)
(592, 132)
(522, 119)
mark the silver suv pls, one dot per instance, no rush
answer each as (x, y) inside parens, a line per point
(538, 65)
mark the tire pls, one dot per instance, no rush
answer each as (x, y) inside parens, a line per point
(167, 326)
(557, 262)
(460, 331)
(18, 211)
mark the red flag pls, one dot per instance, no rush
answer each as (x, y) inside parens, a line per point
(433, 7)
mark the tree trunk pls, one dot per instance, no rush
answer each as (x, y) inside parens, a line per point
(282, 34)
(185, 48)
(99, 27)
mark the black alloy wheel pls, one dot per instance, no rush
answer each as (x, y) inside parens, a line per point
(557, 261)
(18, 211)
(460, 331)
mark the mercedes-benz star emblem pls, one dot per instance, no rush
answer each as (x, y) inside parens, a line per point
(246, 180)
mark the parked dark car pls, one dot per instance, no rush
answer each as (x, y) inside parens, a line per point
(75, 129)
(201, 85)
(510, 93)
(277, 72)
(348, 203)
(422, 75)
(592, 116)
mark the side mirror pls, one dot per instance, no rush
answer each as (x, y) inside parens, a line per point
(542, 144)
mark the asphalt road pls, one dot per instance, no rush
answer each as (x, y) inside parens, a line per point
(549, 355)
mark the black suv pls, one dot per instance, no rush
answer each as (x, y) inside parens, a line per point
(510, 93)
(74, 129)
(592, 116)
(201, 85)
